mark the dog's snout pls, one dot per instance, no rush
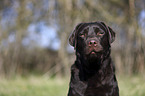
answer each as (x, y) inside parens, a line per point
(92, 43)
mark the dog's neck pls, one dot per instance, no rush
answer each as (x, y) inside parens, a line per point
(89, 67)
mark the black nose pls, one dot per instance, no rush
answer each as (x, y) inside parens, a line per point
(93, 43)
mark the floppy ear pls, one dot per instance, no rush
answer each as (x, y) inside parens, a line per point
(112, 34)
(72, 37)
(110, 31)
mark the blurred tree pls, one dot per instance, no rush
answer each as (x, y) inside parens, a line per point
(17, 16)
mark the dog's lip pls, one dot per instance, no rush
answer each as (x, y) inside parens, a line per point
(93, 52)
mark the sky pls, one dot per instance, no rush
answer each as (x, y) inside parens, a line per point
(45, 36)
(142, 21)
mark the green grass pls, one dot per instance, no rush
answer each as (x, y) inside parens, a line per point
(41, 86)
(131, 86)
(33, 86)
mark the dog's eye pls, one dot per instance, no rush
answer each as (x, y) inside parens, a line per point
(100, 33)
(82, 35)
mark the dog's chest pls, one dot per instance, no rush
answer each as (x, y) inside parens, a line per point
(96, 87)
(91, 88)
(79, 88)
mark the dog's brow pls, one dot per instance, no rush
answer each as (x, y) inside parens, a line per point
(104, 27)
(96, 29)
(86, 29)
(91, 29)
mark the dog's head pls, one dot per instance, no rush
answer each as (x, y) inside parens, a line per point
(92, 39)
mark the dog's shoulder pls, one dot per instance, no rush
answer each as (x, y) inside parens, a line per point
(74, 72)
(76, 85)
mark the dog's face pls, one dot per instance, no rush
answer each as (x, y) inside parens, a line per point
(92, 39)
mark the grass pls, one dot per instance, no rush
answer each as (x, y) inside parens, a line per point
(41, 86)
(132, 86)
(33, 86)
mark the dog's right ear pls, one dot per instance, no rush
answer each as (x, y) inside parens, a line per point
(72, 37)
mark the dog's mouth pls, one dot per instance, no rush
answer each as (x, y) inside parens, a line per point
(94, 51)
(94, 54)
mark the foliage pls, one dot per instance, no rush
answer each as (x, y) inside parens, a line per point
(17, 16)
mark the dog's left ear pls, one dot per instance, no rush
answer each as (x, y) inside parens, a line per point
(111, 33)
(72, 37)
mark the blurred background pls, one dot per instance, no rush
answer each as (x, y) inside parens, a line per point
(34, 34)
(35, 56)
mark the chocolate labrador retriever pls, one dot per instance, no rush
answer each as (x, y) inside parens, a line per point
(93, 73)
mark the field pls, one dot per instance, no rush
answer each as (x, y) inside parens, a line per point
(42, 86)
